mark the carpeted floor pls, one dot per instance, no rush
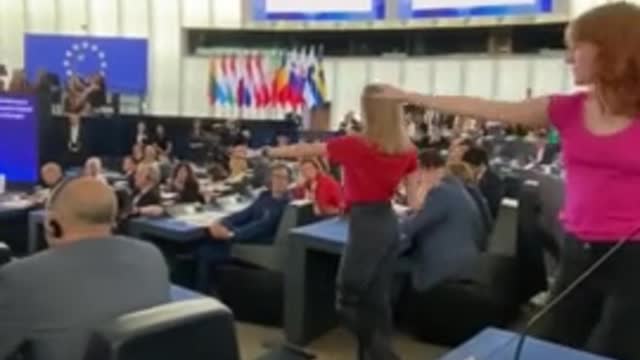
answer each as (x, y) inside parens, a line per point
(336, 345)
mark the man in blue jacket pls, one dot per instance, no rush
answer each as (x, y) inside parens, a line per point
(447, 232)
(258, 223)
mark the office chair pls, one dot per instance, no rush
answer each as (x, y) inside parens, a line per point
(200, 329)
(5, 254)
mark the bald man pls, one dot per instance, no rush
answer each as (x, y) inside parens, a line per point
(88, 276)
(51, 175)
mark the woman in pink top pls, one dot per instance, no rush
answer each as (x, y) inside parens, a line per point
(600, 132)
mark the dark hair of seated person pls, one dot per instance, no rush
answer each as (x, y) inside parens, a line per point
(190, 191)
(476, 156)
(431, 159)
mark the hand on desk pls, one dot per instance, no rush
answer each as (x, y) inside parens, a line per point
(220, 232)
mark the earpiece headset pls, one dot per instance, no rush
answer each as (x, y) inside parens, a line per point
(53, 227)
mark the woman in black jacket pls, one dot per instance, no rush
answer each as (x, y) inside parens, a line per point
(185, 184)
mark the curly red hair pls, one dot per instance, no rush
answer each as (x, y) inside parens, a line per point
(615, 30)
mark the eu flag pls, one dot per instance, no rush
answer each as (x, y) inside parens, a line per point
(122, 62)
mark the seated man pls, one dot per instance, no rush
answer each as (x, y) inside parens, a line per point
(146, 195)
(260, 220)
(93, 169)
(54, 298)
(51, 175)
(257, 223)
(489, 182)
(446, 232)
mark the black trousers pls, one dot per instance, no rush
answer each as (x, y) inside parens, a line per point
(365, 279)
(602, 315)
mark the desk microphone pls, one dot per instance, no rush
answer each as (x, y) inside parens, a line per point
(566, 292)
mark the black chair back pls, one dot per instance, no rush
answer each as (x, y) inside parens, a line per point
(200, 329)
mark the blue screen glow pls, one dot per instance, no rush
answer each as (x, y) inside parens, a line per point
(18, 138)
(408, 10)
(262, 13)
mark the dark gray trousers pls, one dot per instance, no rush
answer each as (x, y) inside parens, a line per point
(364, 279)
(602, 315)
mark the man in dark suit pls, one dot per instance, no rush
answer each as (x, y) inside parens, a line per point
(446, 232)
(146, 199)
(489, 182)
(53, 299)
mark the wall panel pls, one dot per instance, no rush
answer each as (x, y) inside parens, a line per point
(548, 76)
(448, 76)
(196, 13)
(41, 16)
(135, 18)
(103, 16)
(479, 79)
(12, 29)
(418, 75)
(164, 71)
(351, 76)
(512, 77)
(74, 16)
(194, 86)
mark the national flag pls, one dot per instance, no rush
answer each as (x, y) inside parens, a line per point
(296, 80)
(319, 80)
(281, 81)
(221, 93)
(263, 86)
(211, 90)
(228, 83)
(310, 89)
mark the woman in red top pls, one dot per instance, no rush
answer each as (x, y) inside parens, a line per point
(374, 164)
(321, 189)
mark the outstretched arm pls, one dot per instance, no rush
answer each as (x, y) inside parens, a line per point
(531, 112)
(298, 150)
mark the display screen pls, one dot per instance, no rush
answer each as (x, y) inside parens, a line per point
(336, 10)
(19, 138)
(409, 9)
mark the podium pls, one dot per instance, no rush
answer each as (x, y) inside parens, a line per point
(494, 344)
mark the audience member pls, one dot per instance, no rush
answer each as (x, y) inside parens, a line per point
(89, 276)
(51, 175)
(197, 143)
(320, 188)
(463, 172)
(93, 169)
(19, 82)
(185, 184)
(162, 142)
(137, 153)
(489, 182)
(282, 140)
(458, 148)
(446, 232)
(258, 223)
(238, 164)
(129, 170)
(260, 220)
(150, 155)
(146, 196)
(142, 135)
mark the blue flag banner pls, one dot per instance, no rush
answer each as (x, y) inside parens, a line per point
(122, 61)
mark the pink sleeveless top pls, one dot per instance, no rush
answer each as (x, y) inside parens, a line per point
(602, 202)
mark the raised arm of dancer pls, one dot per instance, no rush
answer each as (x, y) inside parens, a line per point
(530, 112)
